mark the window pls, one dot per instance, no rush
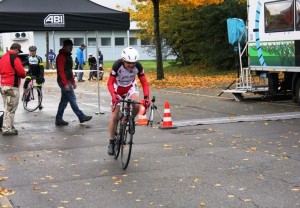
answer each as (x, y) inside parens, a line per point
(145, 42)
(91, 41)
(78, 41)
(61, 41)
(132, 41)
(279, 16)
(105, 41)
(119, 41)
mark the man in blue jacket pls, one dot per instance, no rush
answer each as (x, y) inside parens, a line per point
(80, 58)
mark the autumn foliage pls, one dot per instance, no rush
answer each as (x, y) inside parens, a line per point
(194, 31)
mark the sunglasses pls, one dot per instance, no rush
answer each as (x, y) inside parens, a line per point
(129, 63)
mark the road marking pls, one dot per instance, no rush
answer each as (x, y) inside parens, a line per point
(235, 119)
(225, 98)
(188, 93)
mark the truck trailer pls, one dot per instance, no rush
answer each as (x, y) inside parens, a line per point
(273, 50)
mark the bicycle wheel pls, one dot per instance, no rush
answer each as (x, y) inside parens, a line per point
(126, 144)
(118, 138)
(31, 100)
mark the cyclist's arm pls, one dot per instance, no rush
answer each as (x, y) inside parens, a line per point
(41, 65)
(143, 80)
(113, 76)
(145, 86)
(110, 84)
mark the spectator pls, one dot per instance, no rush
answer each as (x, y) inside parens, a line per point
(35, 68)
(93, 66)
(66, 82)
(100, 58)
(51, 57)
(11, 72)
(80, 58)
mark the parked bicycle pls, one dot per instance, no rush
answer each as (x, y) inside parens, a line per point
(125, 131)
(33, 96)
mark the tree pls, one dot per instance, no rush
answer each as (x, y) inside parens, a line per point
(196, 34)
(156, 15)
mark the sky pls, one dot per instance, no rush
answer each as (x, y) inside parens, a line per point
(113, 3)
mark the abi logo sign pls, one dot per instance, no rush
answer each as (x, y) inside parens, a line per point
(54, 20)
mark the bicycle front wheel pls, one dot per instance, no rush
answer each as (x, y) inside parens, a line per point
(118, 139)
(32, 99)
(126, 144)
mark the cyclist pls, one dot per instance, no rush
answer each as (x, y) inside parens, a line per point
(122, 82)
(35, 68)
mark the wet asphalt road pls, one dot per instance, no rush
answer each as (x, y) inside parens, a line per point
(246, 164)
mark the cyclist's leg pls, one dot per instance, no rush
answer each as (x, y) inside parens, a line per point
(113, 122)
(133, 94)
(39, 85)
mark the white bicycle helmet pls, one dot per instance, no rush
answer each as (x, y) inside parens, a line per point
(130, 54)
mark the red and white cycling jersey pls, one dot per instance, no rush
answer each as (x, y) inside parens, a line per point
(123, 82)
(125, 78)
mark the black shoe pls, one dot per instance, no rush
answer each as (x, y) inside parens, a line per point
(10, 133)
(61, 123)
(85, 118)
(41, 107)
(111, 148)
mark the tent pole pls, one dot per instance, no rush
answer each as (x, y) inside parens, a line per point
(53, 41)
(128, 38)
(98, 78)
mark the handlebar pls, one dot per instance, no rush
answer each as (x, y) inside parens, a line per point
(122, 100)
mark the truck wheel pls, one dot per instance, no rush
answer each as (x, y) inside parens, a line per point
(297, 92)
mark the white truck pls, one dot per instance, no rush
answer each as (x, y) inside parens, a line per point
(273, 50)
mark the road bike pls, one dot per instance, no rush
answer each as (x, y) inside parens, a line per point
(125, 130)
(32, 97)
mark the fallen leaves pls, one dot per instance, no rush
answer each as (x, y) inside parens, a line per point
(168, 147)
(3, 179)
(6, 192)
(117, 181)
(295, 189)
(189, 81)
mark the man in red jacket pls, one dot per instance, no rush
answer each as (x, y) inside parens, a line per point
(11, 72)
(66, 82)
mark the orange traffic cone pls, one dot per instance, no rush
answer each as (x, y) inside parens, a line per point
(142, 118)
(167, 121)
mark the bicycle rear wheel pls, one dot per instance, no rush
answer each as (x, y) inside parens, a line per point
(31, 99)
(126, 144)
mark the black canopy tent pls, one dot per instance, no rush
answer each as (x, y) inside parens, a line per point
(60, 15)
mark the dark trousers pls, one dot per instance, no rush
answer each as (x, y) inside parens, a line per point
(67, 97)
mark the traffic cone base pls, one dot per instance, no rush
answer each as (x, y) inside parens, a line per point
(167, 120)
(142, 119)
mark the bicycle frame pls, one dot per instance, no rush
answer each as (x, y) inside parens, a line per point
(124, 131)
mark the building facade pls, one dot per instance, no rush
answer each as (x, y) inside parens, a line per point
(110, 43)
